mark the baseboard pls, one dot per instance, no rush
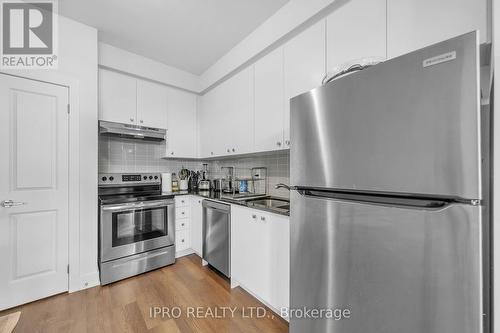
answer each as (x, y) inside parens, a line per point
(184, 253)
(276, 311)
(88, 280)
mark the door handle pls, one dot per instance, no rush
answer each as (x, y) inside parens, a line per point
(10, 203)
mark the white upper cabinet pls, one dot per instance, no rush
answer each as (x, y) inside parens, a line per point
(210, 124)
(413, 24)
(305, 64)
(181, 128)
(125, 99)
(151, 104)
(238, 117)
(117, 97)
(269, 102)
(226, 121)
(355, 31)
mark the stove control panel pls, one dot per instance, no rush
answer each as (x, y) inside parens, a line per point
(129, 178)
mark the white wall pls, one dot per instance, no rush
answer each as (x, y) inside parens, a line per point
(78, 69)
(78, 59)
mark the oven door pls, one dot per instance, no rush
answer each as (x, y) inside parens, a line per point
(132, 228)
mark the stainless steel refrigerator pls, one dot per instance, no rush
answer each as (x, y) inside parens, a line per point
(389, 207)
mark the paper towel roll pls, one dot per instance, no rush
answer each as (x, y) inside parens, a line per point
(166, 182)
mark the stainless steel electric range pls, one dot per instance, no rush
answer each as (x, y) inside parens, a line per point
(136, 225)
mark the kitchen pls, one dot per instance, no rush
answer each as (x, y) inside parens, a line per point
(185, 170)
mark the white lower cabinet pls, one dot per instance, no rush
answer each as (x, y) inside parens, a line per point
(181, 240)
(182, 223)
(260, 254)
(196, 224)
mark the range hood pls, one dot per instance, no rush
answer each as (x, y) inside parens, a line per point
(131, 131)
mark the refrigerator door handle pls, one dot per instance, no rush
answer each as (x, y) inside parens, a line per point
(380, 199)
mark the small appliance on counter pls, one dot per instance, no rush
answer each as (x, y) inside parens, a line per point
(136, 225)
(166, 182)
(193, 181)
(204, 183)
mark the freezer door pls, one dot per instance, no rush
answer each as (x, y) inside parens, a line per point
(396, 270)
(408, 125)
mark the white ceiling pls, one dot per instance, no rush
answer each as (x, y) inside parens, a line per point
(187, 34)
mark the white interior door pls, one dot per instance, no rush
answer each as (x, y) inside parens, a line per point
(34, 176)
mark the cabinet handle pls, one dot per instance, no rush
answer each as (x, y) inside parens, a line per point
(171, 153)
(254, 216)
(182, 224)
(262, 218)
(211, 153)
(278, 144)
(132, 120)
(182, 213)
(234, 150)
(182, 240)
(287, 142)
(228, 150)
(142, 121)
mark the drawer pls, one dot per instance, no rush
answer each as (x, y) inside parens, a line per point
(182, 240)
(182, 212)
(181, 224)
(181, 201)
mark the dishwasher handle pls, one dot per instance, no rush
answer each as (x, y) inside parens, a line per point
(216, 206)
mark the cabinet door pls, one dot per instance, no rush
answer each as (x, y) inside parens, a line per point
(246, 251)
(151, 104)
(413, 24)
(212, 124)
(237, 119)
(269, 102)
(356, 30)
(117, 97)
(196, 224)
(279, 266)
(305, 63)
(181, 124)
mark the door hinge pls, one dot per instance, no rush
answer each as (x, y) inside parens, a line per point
(68, 108)
(67, 269)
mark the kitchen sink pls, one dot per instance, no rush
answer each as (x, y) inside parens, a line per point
(270, 203)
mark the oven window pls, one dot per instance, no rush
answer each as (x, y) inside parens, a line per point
(138, 225)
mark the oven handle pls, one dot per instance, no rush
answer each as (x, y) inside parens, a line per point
(138, 205)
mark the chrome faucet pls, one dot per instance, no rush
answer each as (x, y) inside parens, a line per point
(281, 185)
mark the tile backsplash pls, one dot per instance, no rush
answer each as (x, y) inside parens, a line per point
(125, 155)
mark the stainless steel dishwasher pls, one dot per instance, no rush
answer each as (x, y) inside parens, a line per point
(217, 235)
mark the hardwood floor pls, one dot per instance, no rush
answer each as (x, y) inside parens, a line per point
(126, 306)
